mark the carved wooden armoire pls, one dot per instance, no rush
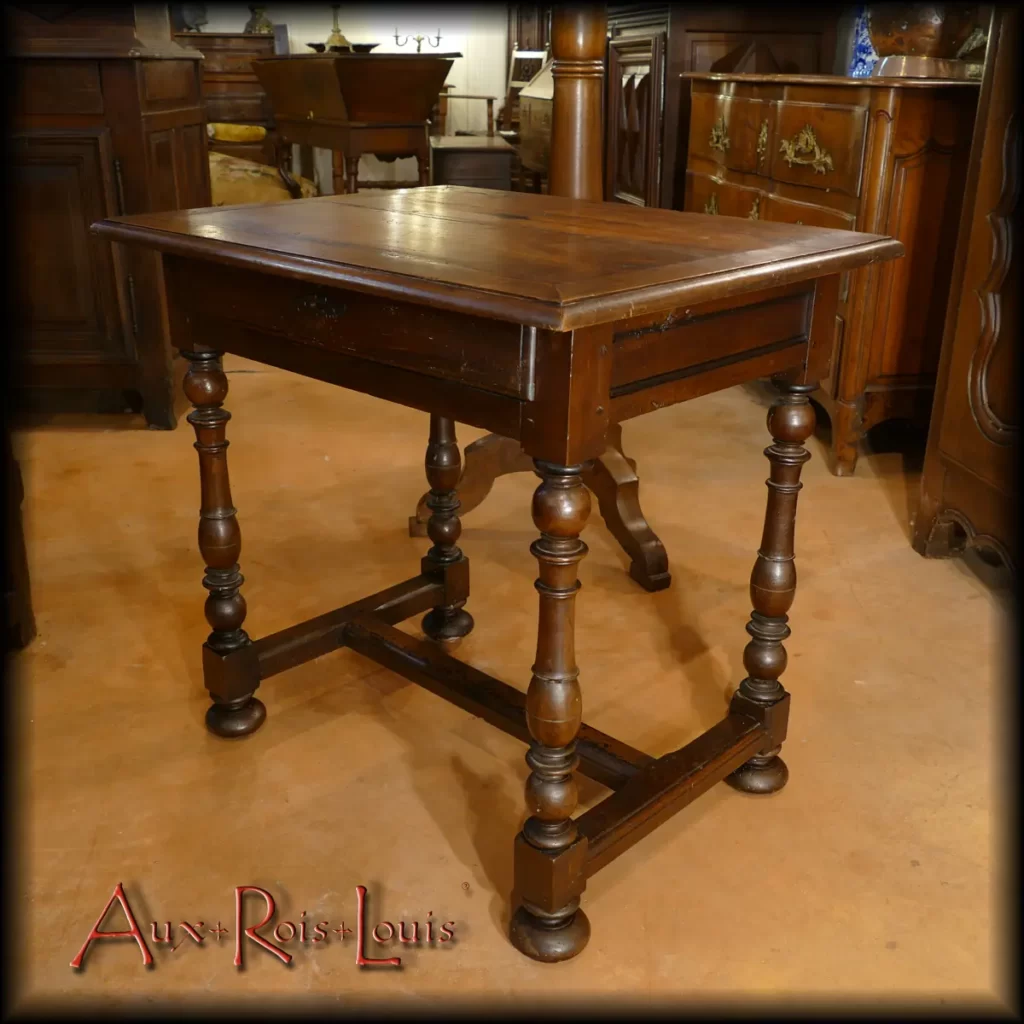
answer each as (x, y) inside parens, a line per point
(106, 119)
(969, 485)
(647, 103)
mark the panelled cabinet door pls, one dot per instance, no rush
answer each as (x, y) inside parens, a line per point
(636, 90)
(66, 306)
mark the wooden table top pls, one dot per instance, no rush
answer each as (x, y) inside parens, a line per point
(537, 260)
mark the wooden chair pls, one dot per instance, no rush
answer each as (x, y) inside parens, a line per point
(523, 65)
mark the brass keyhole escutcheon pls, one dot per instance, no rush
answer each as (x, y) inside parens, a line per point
(804, 149)
(762, 142)
(719, 138)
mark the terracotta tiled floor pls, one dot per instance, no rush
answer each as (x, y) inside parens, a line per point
(873, 875)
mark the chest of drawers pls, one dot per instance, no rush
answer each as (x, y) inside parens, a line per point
(883, 156)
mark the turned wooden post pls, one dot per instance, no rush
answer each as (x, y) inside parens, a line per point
(548, 924)
(772, 589)
(578, 42)
(230, 667)
(444, 466)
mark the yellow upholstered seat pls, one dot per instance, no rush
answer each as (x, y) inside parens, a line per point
(234, 180)
(224, 132)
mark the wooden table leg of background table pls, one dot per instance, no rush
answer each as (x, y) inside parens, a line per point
(230, 665)
(612, 478)
(547, 923)
(338, 183)
(773, 587)
(449, 621)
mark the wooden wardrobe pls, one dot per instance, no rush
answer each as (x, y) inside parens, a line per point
(969, 485)
(106, 120)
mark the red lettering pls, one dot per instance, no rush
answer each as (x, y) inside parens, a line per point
(191, 933)
(289, 936)
(320, 933)
(302, 927)
(390, 935)
(240, 891)
(446, 932)
(362, 961)
(415, 932)
(167, 932)
(133, 931)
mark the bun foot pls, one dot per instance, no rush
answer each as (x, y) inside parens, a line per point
(549, 942)
(447, 626)
(760, 775)
(238, 718)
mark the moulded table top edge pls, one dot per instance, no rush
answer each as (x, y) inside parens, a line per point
(594, 298)
(876, 81)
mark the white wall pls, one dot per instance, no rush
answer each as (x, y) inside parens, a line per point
(477, 31)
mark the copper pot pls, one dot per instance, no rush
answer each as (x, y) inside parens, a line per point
(920, 30)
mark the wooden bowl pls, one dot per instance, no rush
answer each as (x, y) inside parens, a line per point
(920, 30)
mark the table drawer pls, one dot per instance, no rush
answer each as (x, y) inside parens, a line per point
(480, 352)
(705, 194)
(733, 131)
(819, 145)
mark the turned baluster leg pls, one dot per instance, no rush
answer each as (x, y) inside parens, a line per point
(444, 466)
(548, 924)
(230, 666)
(772, 589)
(352, 167)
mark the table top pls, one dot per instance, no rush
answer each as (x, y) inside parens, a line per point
(537, 260)
(476, 143)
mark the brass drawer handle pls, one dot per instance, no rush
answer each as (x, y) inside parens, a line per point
(719, 136)
(322, 306)
(804, 142)
(762, 142)
(755, 210)
(711, 206)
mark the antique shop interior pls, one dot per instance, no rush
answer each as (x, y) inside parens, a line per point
(442, 285)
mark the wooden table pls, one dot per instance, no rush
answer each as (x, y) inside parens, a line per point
(481, 161)
(550, 321)
(356, 104)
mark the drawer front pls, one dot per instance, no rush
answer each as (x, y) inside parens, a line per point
(682, 341)
(479, 352)
(705, 194)
(819, 145)
(733, 131)
(235, 63)
(237, 109)
(57, 87)
(789, 211)
(168, 84)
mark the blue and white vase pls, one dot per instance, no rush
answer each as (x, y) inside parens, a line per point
(864, 57)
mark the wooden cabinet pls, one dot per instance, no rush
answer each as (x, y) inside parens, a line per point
(106, 120)
(885, 156)
(232, 93)
(647, 104)
(968, 487)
